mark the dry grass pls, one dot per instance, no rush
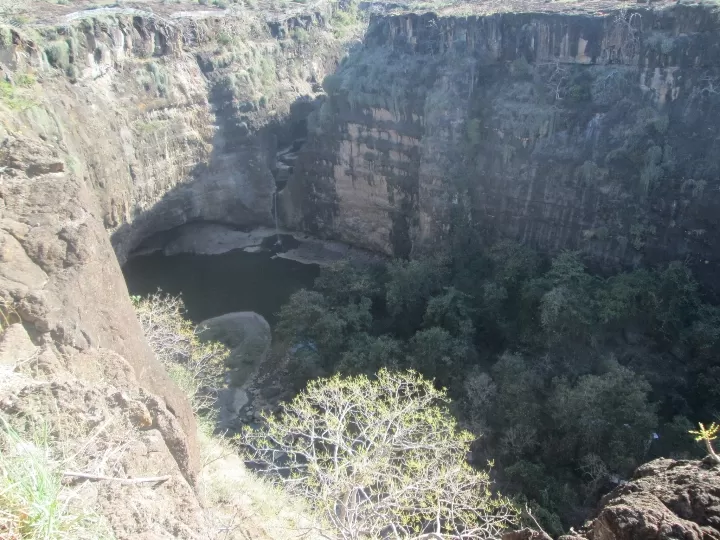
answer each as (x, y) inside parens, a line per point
(34, 502)
(240, 505)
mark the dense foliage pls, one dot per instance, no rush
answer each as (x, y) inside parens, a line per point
(571, 379)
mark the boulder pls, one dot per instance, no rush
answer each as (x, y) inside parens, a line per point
(246, 334)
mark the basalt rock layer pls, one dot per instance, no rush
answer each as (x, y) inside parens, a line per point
(664, 499)
(594, 130)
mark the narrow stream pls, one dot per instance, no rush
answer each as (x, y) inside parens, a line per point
(212, 285)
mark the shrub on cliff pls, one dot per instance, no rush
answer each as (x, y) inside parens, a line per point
(379, 457)
(191, 363)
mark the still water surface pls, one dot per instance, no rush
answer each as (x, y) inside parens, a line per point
(215, 284)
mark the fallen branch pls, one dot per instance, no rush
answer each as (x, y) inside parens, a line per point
(115, 479)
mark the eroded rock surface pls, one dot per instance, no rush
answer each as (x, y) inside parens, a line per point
(104, 430)
(665, 499)
(119, 123)
(60, 277)
(594, 131)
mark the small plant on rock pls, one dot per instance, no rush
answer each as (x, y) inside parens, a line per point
(34, 503)
(707, 435)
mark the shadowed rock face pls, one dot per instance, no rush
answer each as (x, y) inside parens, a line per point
(595, 132)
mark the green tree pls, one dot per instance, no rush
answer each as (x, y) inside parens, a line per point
(626, 300)
(519, 393)
(344, 282)
(368, 354)
(436, 354)
(567, 310)
(479, 394)
(310, 319)
(513, 264)
(608, 415)
(469, 262)
(379, 457)
(298, 317)
(410, 286)
(450, 311)
(676, 302)
(192, 363)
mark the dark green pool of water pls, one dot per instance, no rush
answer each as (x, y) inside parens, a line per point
(211, 285)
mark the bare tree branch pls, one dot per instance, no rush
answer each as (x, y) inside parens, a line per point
(87, 476)
(379, 458)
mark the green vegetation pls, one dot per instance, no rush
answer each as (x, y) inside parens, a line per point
(154, 78)
(58, 54)
(14, 97)
(568, 381)
(226, 487)
(707, 436)
(224, 38)
(190, 362)
(378, 455)
(346, 22)
(301, 36)
(34, 504)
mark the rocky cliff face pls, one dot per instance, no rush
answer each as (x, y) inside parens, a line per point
(664, 499)
(594, 131)
(116, 124)
(171, 121)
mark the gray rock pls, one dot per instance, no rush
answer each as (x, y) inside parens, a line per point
(541, 166)
(230, 402)
(248, 337)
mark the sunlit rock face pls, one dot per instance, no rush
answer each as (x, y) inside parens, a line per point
(595, 132)
(118, 123)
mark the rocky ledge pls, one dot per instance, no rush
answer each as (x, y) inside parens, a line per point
(666, 499)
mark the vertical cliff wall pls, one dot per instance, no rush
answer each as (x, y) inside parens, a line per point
(596, 131)
(118, 123)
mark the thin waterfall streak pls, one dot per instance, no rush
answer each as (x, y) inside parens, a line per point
(275, 215)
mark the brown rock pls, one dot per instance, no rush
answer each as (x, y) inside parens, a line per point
(68, 288)
(99, 429)
(139, 415)
(665, 499)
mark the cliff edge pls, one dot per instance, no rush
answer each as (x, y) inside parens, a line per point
(664, 499)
